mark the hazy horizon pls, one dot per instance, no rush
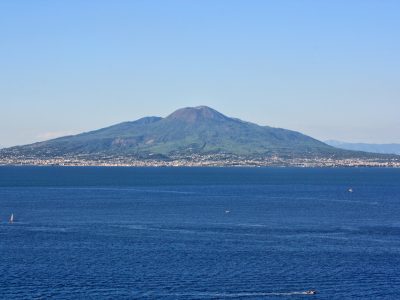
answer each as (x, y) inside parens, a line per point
(327, 69)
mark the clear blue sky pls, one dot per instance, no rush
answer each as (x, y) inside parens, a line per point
(330, 69)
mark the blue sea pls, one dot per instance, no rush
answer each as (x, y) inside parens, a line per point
(199, 233)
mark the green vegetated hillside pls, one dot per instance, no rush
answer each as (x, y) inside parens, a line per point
(199, 130)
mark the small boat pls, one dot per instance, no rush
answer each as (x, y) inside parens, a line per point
(11, 218)
(310, 292)
(350, 190)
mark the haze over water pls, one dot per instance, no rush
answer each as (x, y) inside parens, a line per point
(199, 233)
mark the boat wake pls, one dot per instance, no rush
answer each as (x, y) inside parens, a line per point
(236, 295)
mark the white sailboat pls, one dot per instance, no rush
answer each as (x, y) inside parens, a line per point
(11, 218)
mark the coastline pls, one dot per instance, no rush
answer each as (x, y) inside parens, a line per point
(271, 162)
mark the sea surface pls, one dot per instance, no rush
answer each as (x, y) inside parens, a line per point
(199, 233)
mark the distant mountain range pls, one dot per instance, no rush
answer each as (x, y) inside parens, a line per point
(200, 131)
(373, 148)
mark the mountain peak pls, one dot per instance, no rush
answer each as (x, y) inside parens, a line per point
(191, 130)
(194, 114)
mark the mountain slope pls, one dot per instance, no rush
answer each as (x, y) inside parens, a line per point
(198, 130)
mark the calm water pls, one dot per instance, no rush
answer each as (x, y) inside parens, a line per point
(199, 233)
